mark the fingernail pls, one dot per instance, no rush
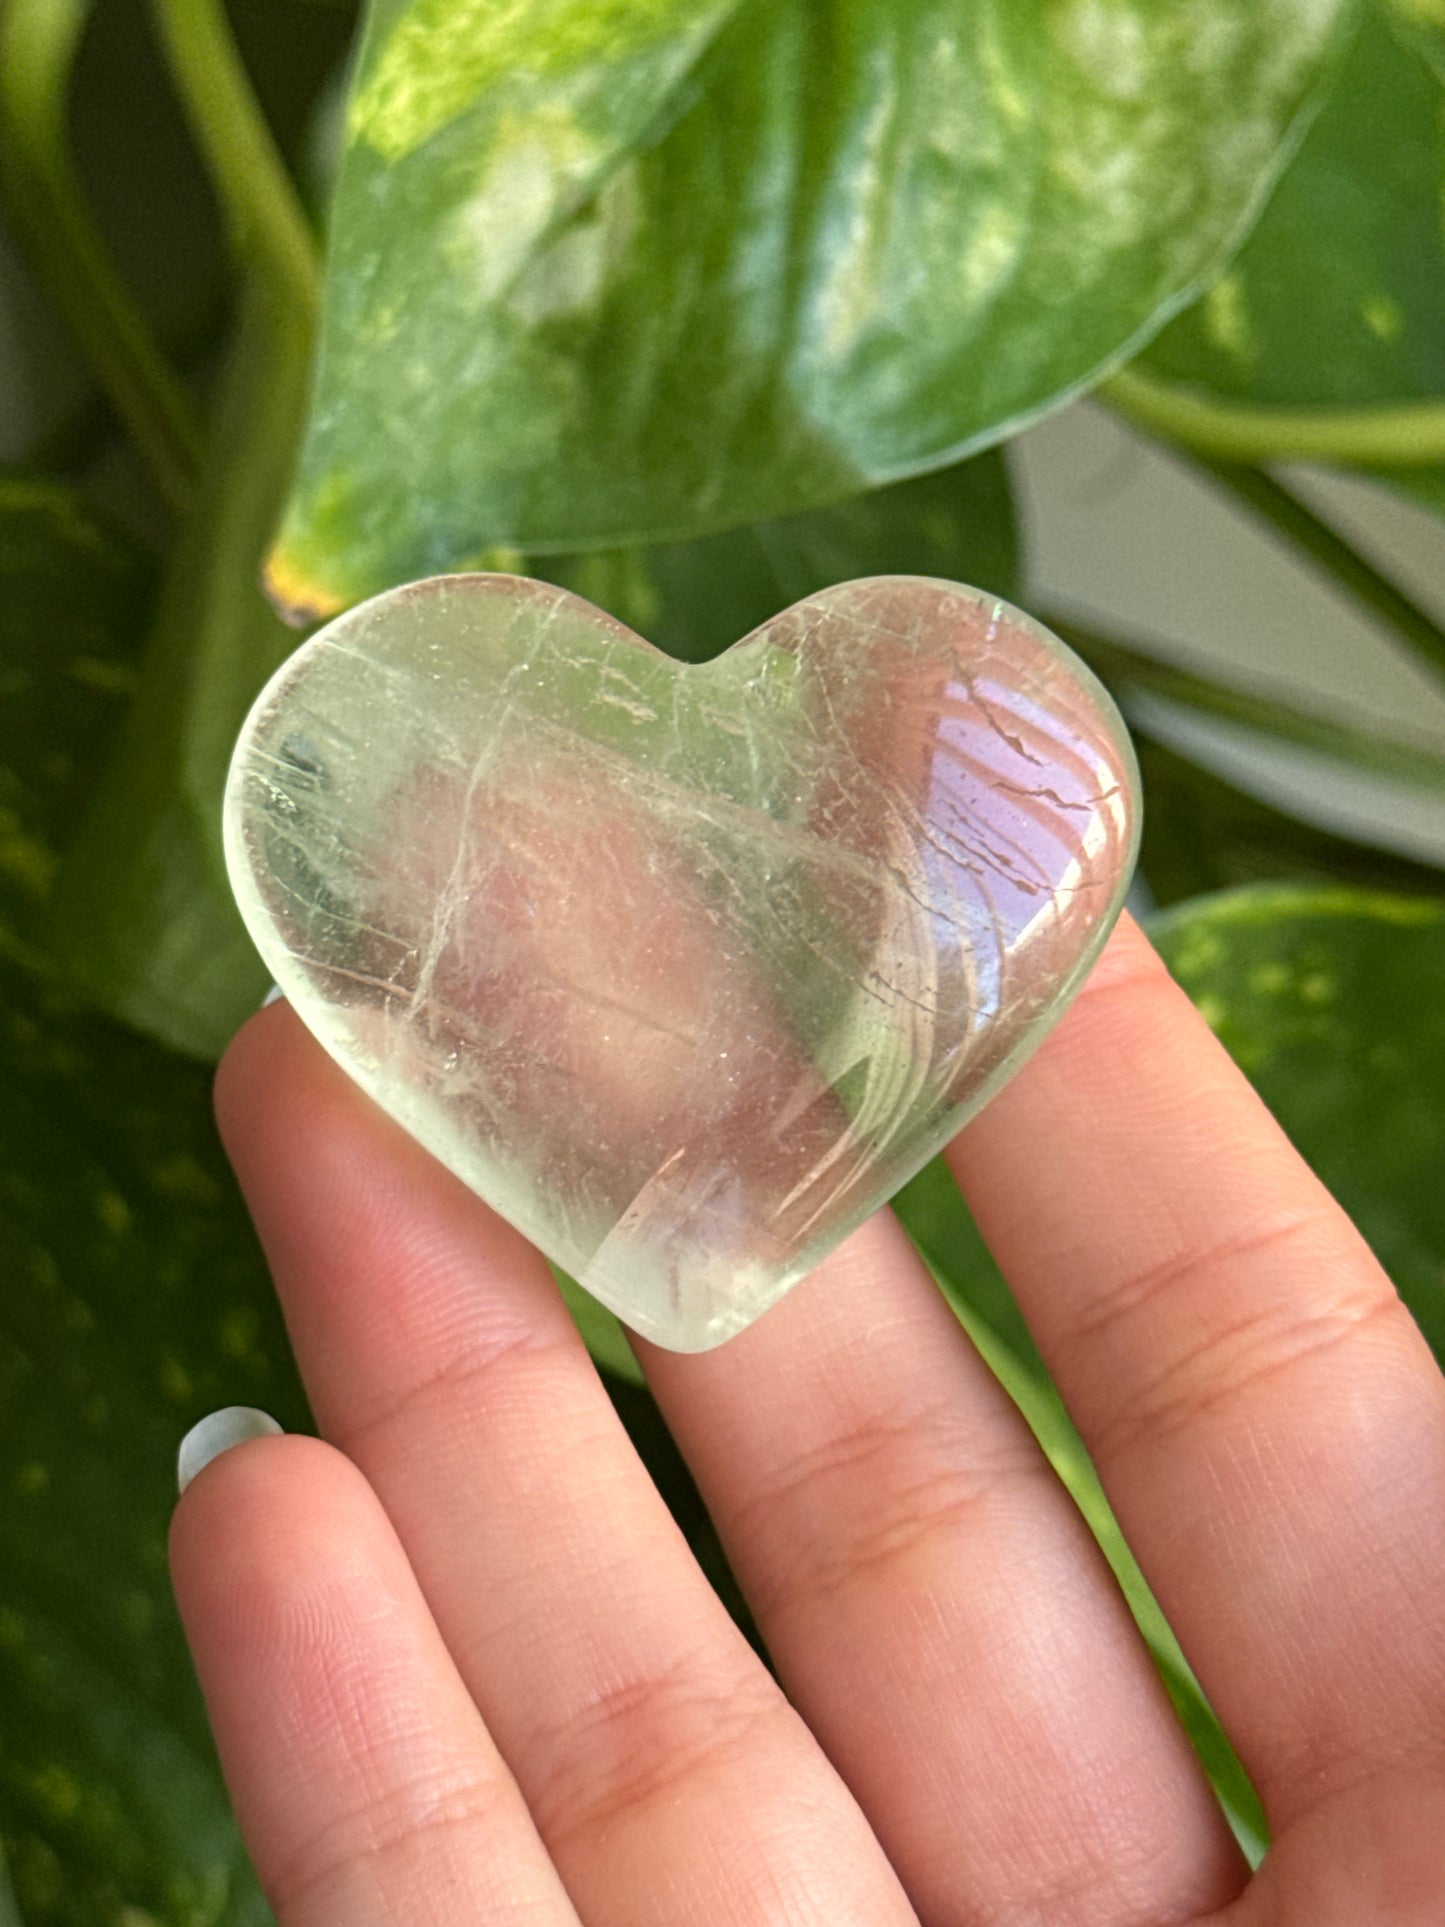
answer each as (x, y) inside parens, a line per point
(232, 1425)
(273, 996)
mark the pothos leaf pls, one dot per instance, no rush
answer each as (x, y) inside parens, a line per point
(1335, 301)
(610, 274)
(695, 598)
(1329, 1000)
(73, 600)
(135, 1301)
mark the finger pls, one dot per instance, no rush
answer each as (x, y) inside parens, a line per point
(668, 1776)
(367, 1788)
(937, 1609)
(1265, 1416)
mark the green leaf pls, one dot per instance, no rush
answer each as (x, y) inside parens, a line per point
(1424, 22)
(1425, 485)
(74, 596)
(39, 40)
(143, 916)
(1330, 1001)
(695, 598)
(9, 1908)
(136, 1300)
(1134, 670)
(941, 1226)
(1421, 24)
(601, 1331)
(1332, 309)
(1202, 834)
(1336, 297)
(604, 274)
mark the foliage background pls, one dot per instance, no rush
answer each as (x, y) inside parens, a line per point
(694, 305)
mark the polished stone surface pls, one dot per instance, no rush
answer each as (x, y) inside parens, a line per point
(684, 969)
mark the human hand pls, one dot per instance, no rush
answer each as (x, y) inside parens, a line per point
(462, 1667)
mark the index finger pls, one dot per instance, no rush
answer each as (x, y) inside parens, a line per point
(1264, 1414)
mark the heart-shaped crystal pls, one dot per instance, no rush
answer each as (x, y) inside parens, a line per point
(683, 969)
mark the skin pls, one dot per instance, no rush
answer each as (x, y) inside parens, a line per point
(462, 1667)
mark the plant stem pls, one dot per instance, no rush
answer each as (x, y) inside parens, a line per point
(83, 434)
(1125, 666)
(268, 228)
(1297, 521)
(142, 915)
(1407, 435)
(1294, 519)
(38, 43)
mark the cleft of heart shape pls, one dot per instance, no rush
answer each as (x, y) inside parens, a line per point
(684, 969)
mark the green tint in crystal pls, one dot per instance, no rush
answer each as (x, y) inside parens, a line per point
(684, 969)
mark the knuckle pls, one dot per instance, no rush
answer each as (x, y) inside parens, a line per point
(384, 1831)
(477, 1363)
(643, 1740)
(873, 1497)
(1135, 1295)
(1127, 973)
(1235, 1357)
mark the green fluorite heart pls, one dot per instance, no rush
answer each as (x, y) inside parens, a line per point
(683, 969)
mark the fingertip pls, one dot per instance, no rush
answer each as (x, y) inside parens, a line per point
(1128, 962)
(250, 1062)
(254, 1523)
(219, 1432)
(342, 1726)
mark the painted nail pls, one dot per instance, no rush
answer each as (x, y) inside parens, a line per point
(232, 1425)
(273, 996)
